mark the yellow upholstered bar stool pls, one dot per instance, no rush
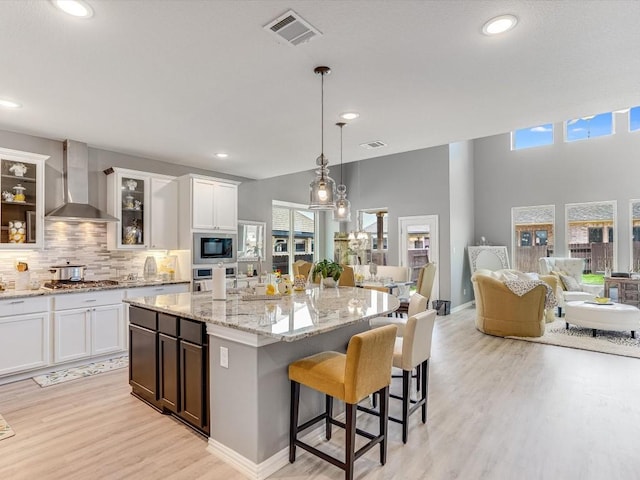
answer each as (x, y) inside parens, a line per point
(413, 350)
(364, 370)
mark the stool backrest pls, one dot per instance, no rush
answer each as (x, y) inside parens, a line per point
(368, 362)
(426, 279)
(347, 278)
(417, 304)
(416, 340)
(302, 267)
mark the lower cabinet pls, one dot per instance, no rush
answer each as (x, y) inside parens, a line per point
(87, 324)
(169, 364)
(24, 334)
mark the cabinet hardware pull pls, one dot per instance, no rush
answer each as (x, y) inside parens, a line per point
(92, 300)
(16, 302)
(158, 289)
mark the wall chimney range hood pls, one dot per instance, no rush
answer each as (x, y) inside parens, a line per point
(75, 169)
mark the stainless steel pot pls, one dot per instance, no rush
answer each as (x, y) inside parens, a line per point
(74, 273)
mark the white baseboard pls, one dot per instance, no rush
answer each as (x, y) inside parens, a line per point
(464, 306)
(260, 471)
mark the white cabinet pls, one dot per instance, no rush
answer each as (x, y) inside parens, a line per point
(212, 205)
(22, 206)
(87, 324)
(164, 213)
(24, 334)
(147, 206)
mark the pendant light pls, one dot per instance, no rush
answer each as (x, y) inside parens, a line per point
(342, 213)
(322, 190)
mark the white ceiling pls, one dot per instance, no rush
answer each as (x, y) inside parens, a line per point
(180, 80)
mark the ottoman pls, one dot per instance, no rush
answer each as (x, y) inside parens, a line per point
(616, 316)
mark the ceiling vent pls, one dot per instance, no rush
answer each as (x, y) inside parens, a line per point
(292, 28)
(374, 144)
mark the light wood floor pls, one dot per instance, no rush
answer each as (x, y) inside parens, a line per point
(498, 409)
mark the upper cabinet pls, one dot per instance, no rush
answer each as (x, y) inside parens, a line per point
(215, 205)
(22, 203)
(208, 204)
(146, 205)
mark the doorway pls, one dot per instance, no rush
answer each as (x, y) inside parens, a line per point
(419, 245)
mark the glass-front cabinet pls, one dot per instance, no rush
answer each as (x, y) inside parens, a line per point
(22, 203)
(128, 200)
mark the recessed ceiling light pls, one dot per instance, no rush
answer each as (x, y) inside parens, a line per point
(222, 155)
(349, 115)
(500, 24)
(77, 8)
(9, 103)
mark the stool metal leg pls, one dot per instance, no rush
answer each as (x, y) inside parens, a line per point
(293, 420)
(350, 440)
(329, 411)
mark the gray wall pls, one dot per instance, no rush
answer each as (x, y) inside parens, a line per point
(409, 183)
(99, 160)
(461, 195)
(598, 169)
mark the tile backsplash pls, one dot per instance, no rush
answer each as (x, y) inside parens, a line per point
(79, 243)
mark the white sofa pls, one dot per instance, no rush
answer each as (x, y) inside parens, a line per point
(573, 267)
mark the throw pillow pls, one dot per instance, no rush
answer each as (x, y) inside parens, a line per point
(570, 283)
(557, 274)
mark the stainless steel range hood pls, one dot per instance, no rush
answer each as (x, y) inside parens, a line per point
(75, 166)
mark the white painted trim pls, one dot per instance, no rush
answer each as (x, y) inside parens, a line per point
(464, 306)
(280, 203)
(238, 336)
(17, 155)
(261, 471)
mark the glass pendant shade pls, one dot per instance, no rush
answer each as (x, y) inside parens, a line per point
(342, 213)
(322, 191)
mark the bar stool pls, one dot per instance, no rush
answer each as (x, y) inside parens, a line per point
(413, 350)
(417, 304)
(364, 370)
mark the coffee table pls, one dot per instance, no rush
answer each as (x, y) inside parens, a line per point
(618, 317)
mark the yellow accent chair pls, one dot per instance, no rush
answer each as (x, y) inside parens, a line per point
(502, 313)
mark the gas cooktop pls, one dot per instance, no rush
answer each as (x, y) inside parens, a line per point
(75, 285)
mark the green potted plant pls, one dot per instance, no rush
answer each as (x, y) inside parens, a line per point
(328, 271)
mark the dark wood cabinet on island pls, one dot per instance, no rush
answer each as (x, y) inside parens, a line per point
(169, 365)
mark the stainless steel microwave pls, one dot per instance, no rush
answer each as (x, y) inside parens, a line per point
(213, 248)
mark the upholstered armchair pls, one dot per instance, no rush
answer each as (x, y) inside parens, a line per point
(502, 313)
(569, 267)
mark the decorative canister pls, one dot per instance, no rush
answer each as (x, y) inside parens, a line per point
(299, 283)
(131, 184)
(285, 286)
(18, 193)
(17, 231)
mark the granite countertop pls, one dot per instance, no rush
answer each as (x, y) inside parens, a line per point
(288, 318)
(11, 293)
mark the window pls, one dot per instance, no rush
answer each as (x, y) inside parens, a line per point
(591, 234)
(634, 119)
(294, 226)
(533, 234)
(374, 223)
(532, 137)
(589, 127)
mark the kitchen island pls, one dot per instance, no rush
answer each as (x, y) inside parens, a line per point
(248, 347)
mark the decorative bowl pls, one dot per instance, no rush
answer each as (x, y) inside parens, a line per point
(602, 299)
